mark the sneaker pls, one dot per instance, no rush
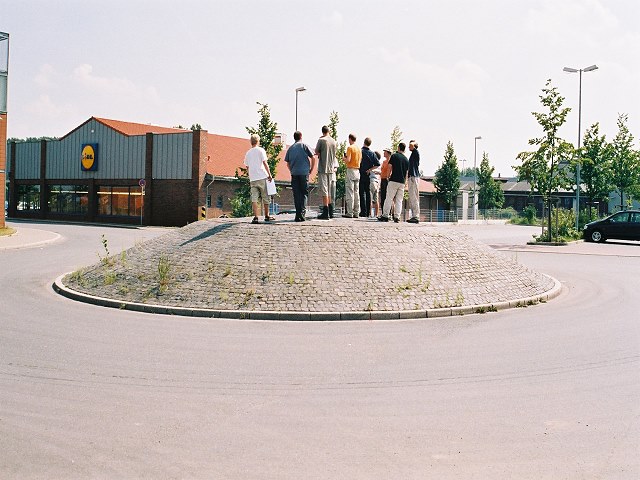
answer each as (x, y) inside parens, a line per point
(255, 220)
(396, 219)
(383, 219)
(269, 219)
(413, 220)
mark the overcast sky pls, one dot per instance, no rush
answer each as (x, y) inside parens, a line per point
(440, 70)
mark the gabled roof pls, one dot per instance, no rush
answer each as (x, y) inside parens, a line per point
(129, 128)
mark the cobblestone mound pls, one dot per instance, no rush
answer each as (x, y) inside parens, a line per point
(337, 266)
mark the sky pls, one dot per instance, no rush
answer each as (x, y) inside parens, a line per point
(440, 71)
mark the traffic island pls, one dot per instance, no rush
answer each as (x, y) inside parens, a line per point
(338, 270)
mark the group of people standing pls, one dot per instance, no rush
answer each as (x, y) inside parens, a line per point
(370, 181)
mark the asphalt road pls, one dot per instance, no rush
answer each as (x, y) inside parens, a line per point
(545, 392)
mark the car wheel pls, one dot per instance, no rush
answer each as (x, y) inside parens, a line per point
(597, 237)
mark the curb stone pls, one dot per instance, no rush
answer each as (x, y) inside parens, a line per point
(60, 288)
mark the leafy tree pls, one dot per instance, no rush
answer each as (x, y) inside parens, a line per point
(396, 138)
(468, 172)
(195, 127)
(267, 130)
(490, 195)
(341, 149)
(595, 166)
(625, 162)
(541, 167)
(447, 178)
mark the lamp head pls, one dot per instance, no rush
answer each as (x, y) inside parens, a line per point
(569, 70)
(300, 89)
(591, 68)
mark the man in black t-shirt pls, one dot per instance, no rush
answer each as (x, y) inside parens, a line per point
(395, 189)
(369, 160)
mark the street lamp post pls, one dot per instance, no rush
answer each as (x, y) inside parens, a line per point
(579, 71)
(298, 90)
(475, 176)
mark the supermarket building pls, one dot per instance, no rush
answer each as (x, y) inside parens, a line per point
(121, 172)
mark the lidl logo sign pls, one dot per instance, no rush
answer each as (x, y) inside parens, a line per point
(89, 157)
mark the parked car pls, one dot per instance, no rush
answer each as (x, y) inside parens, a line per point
(622, 226)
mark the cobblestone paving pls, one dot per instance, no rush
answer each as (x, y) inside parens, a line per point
(341, 265)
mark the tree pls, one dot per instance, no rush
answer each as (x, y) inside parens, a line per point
(625, 162)
(447, 178)
(490, 195)
(396, 138)
(341, 149)
(30, 139)
(595, 166)
(541, 167)
(468, 172)
(267, 130)
(195, 127)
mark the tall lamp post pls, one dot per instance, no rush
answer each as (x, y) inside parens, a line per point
(4, 77)
(475, 176)
(298, 90)
(579, 70)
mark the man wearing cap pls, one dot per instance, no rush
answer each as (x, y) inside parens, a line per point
(414, 182)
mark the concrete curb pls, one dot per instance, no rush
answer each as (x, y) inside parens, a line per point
(13, 241)
(60, 288)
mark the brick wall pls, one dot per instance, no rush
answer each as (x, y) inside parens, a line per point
(173, 203)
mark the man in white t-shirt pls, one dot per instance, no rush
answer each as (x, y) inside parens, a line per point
(256, 162)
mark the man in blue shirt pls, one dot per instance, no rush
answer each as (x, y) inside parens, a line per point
(369, 161)
(301, 162)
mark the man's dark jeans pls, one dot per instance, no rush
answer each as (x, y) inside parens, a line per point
(365, 195)
(300, 187)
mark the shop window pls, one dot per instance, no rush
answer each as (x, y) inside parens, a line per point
(119, 201)
(69, 199)
(28, 197)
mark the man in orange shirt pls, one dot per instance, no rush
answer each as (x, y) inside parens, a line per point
(385, 172)
(352, 159)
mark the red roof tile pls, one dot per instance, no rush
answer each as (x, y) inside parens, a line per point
(227, 155)
(130, 128)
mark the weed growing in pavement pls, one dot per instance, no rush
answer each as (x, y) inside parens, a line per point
(459, 299)
(227, 271)
(106, 260)
(164, 269)
(123, 258)
(246, 298)
(291, 279)
(109, 277)
(78, 278)
(123, 289)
